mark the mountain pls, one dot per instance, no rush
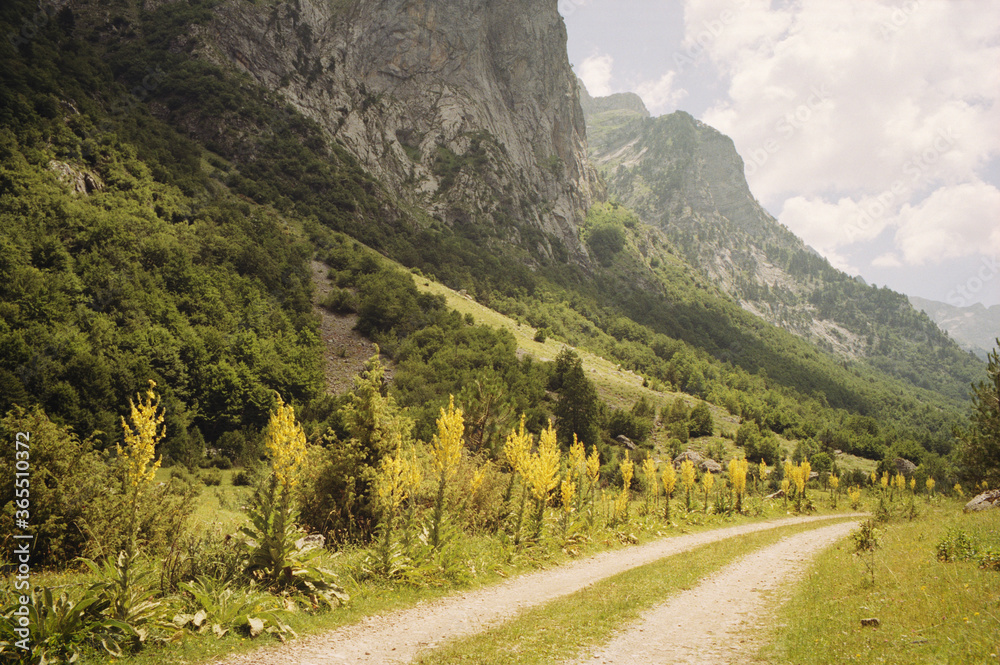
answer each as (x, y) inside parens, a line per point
(975, 327)
(686, 179)
(467, 109)
(171, 170)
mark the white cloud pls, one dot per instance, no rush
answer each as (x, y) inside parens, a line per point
(595, 72)
(863, 106)
(953, 222)
(660, 96)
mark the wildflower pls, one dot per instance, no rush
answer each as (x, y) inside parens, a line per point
(707, 481)
(447, 444)
(593, 465)
(669, 479)
(516, 448)
(567, 491)
(140, 443)
(688, 479)
(285, 443)
(930, 485)
(543, 465)
(478, 476)
(958, 490)
(577, 457)
(738, 479)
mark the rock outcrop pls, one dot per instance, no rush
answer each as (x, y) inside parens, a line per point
(985, 501)
(467, 109)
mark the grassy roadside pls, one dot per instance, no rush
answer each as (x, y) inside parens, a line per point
(563, 628)
(930, 611)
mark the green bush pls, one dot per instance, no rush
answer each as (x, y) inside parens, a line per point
(66, 476)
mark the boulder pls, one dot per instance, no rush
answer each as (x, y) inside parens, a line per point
(310, 542)
(904, 466)
(985, 501)
(711, 466)
(625, 441)
(691, 455)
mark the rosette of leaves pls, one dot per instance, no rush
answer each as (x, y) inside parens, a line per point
(280, 557)
(59, 626)
(220, 606)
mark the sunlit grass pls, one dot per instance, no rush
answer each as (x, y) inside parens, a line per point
(929, 611)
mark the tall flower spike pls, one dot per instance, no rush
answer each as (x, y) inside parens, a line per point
(285, 443)
(140, 442)
(447, 444)
(516, 448)
(594, 465)
(543, 466)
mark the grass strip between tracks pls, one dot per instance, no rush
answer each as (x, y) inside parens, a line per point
(564, 628)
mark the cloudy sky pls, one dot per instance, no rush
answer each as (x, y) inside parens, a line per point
(871, 128)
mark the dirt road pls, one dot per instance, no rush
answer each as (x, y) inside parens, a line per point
(397, 637)
(719, 620)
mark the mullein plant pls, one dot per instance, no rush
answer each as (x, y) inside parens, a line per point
(577, 471)
(761, 477)
(136, 457)
(834, 483)
(627, 468)
(854, 494)
(738, 480)
(271, 514)
(541, 474)
(707, 481)
(117, 593)
(669, 479)
(688, 481)
(398, 478)
(516, 449)
(652, 485)
(446, 453)
(567, 490)
(593, 482)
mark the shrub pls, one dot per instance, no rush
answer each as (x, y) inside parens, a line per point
(66, 477)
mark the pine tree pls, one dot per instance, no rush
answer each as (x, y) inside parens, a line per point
(981, 441)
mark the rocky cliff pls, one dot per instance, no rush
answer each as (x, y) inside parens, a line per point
(466, 109)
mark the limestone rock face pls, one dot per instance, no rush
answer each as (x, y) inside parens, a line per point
(467, 109)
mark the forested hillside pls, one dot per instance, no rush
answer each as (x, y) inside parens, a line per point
(160, 210)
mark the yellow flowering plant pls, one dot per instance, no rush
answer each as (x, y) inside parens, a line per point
(446, 453)
(285, 444)
(738, 469)
(541, 473)
(669, 479)
(688, 480)
(627, 468)
(652, 484)
(707, 481)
